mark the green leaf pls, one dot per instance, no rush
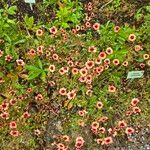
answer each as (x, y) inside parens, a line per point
(20, 42)
(33, 75)
(7, 38)
(40, 64)
(64, 25)
(32, 68)
(43, 77)
(29, 21)
(12, 10)
(11, 21)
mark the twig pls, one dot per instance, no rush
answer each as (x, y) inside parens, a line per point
(106, 4)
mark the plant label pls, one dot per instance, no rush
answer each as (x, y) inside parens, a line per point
(30, 1)
(135, 74)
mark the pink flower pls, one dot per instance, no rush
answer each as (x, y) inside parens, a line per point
(14, 133)
(83, 72)
(39, 97)
(1, 53)
(102, 130)
(122, 124)
(62, 91)
(8, 58)
(71, 94)
(13, 125)
(4, 115)
(79, 142)
(129, 130)
(116, 29)
(39, 32)
(111, 88)
(95, 125)
(92, 49)
(96, 26)
(75, 71)
(52, 68)
(53, 30)
(107, 141)
(82, 113)
(135, 101)
(109, 50)
(116, 62)
(136, 109)
(89, 64)
(66, 138)
(26, 115)
(132, 37)
(99, 105)
(102, 55)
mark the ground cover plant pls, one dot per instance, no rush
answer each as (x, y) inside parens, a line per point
(63, 75)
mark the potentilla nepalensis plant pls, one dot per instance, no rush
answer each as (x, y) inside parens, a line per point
(67, 89)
